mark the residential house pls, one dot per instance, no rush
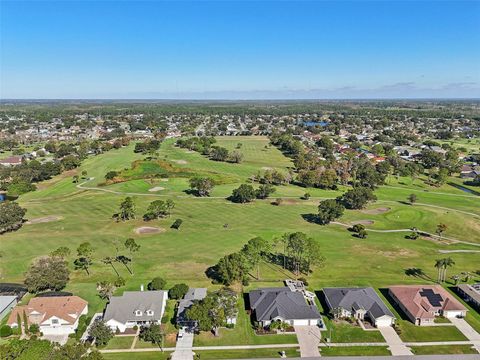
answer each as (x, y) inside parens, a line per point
(361, 303)
(423, 303)
(57, 315)
(192, 295)
(282, 304)
(7, 303)
(12, 161)
(471, 293)
(135, 308)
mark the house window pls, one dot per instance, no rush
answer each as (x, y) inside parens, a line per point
(138, 312)
(150, 312)
(54, 321)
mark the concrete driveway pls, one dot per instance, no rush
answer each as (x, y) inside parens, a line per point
(309, 338)
(61, 339)
(468, 331)
(395, 344)
(183, 348)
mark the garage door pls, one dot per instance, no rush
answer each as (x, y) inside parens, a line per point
(383, 322)
(450, 314)
(301, 322)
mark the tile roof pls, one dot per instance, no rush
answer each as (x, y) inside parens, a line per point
(67, 308)
(422, 300)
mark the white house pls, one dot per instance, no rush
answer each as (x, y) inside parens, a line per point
(56, 315)
(135, 308)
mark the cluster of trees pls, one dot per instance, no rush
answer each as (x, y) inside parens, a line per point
(52, 273)
(440, 165)
(247, 193)
(35, 348)
(212, 312)
(356, 198)
(149, 146)
(11, 216)
(298, 253)
(206, 146)
(159, 209)
(201, 186)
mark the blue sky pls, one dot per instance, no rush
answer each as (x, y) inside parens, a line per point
(239, 50)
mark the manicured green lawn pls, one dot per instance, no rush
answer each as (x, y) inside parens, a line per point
(355, 351)
(154, 355)
(348, 333)
(119, 342)
(242, 334)
(443, 350)
(184, 255)
(247, 354)
(412, 333)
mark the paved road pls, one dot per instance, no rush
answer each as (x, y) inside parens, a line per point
(395, 344)
(309, 340)
(468, 331)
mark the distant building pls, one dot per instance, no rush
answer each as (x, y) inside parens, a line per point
(12, 161)
(423, 303)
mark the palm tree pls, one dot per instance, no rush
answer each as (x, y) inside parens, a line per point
(439, 266)
(447, 262)
(109, 260)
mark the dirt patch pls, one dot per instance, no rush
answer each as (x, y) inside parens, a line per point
(392, 254)
(362, 222)
(45, 219)
(266, 168)
(164, 180)
(377, 211)
(180, 162)
(148, 230)
(156, 188)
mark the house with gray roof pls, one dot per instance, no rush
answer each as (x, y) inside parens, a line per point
(282, 304)
(192, 295)
(7, 303)
(470, 293)
(135, 308)
(361, 303)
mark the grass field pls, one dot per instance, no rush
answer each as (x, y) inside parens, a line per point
(443, 350)
(355, 351)
(183, 255)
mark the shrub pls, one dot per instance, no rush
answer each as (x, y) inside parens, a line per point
(176, 224)
(5, 331)
(34, 329)
(304, 280)
(157, 283)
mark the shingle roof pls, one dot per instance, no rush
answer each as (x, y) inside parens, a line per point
(356, 298)
(122, 308)
(470, 291)
(269, 303)
(187, 301)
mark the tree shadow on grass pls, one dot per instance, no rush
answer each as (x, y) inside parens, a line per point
(418, 273)
(311, 218)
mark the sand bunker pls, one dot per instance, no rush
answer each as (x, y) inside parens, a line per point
(266, 168)
(156, 188)
(164, 180)
(180, 162)
(363, 222)
(44, 219)
(377, 211)
(148, 230)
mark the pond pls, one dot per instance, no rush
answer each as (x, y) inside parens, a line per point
(3, 197)
(464, 189)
